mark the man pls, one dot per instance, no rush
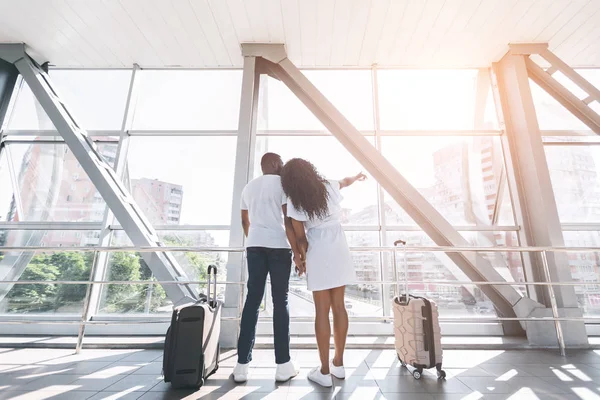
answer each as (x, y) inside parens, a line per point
(265, 222)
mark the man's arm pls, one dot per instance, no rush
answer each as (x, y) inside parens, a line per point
(350, 180)
(245, 222)
(289, 231)
(302, 244)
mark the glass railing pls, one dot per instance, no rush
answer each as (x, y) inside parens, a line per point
(399, 269)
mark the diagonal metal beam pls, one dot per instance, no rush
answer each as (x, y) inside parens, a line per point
(407, 196)
(571, 102)
(119, 200)
(577, 107)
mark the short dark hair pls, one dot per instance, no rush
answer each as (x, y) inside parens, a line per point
(270, 161)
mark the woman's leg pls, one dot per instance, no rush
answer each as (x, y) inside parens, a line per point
(322, 329)
(340, 324)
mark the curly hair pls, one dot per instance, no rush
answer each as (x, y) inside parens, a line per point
(305, 187)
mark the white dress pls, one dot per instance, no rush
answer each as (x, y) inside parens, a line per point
(328, 260)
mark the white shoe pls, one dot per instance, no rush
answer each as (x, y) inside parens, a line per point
(285, 371)
(338, 372)
(316, 376)
(240, 373)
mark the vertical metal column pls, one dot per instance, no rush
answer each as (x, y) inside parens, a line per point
(244, 162)
(384, 257)
(101, 260)
(535, 195)
(8, 82)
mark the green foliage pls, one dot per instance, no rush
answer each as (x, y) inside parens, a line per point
(76, 266)
(34, 297)
(124, 298)
(72, 266)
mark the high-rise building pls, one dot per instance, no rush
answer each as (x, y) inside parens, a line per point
(54, 187)
(159, 201)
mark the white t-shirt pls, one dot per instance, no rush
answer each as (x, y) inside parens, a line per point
(263, 198)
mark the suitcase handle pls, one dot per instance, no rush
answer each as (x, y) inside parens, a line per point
(212, 277)
(395, 268)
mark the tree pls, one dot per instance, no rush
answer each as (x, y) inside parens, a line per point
(35, 297)
(72, 266)
(123, 298)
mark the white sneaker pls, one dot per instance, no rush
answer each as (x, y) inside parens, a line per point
(285, 371)
(240, 373)
(316, 376)
(338, 372)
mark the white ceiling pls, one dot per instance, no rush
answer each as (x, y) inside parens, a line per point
(328, 33)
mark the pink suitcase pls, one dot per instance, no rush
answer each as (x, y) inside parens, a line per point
(417, 333)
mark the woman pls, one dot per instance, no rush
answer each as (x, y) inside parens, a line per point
(315, 210)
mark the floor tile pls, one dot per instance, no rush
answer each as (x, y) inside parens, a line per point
(116, 396)
(152, 368)
(58, 392)
(97, 384)
(134, 383)
(513, 385)
(400, 384)
(143, 355)
(350, 385)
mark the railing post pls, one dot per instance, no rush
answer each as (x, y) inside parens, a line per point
(557, 325)
(86, 306)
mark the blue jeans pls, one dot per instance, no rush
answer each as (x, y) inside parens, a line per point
(278, 264)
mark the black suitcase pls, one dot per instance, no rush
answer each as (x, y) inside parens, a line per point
(192, 342)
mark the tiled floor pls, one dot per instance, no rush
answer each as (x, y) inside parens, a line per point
(372, 374)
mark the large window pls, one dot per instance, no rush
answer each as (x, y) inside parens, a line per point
(183, 180)
(574, 165)
(179, 165)
(188, 100)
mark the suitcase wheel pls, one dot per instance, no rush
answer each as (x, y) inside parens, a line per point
(417, 373)
(401, 362)
(441, 374)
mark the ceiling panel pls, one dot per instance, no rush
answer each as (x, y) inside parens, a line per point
(317, 33)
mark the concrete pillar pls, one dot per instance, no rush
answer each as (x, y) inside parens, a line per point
(533, 189)
(244, 164)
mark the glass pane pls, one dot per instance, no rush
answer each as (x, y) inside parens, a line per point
(551, 114)
(508, 264)
(49, 298)
(574, 171)
(52, 184)
(7, 205)
(96, 99)
(151, 298)
(423, 269)
(428, 99)
(187, 100)
(457, 175)
(49, 238)
(280, 109)
(360, 199)
(585, 267)
(183, 180)
(28, 113)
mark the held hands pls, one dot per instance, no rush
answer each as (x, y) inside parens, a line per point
(300, 261)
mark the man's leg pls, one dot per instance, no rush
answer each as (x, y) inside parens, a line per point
(280, 265)
(257, 277)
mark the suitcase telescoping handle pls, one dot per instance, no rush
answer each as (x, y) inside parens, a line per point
(212, 277)
(402, 243)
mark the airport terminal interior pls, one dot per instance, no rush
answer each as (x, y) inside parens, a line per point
(132, 125)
